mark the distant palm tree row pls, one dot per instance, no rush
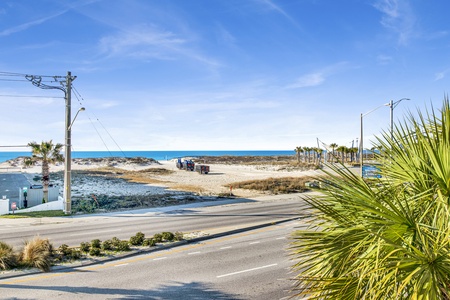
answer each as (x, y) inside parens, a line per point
(337, 154)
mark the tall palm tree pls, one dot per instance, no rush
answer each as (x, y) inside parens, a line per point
(333, 146)
(47, 153)
(388, 240)
(298, 151)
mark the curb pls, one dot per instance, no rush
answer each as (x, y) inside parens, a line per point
(91, 261)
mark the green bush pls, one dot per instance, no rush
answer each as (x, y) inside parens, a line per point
(137, 239)
(149, 243)
(123, 246)
(107, 245)
(115, 242)
(179, 236)
(84, 247)
(8, 259)
(167, 236)
(95, 251)
(158, 237)
(96, 243)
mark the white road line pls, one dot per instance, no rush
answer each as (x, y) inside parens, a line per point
(121, 265)
(160, 258)
(248, 270)
(227, 247)
(95, 232)
(252, 243)
(192, 253)
(281, 238)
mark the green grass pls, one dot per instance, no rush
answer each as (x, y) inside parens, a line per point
(35, 214)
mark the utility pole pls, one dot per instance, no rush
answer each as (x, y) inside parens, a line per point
(65, 86)
(68, 146)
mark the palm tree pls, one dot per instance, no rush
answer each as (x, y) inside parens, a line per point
(298, 150)
(47, 153)
(333, 146)
(388, 240)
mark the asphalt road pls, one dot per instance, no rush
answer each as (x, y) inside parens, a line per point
(11, 184)
(74, 230)
(249, 265)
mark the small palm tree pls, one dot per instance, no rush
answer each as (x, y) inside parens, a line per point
(333, 146)
(47, 153)
(389, 239)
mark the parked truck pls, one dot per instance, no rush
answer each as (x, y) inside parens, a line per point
(187, 165)
(202, 169)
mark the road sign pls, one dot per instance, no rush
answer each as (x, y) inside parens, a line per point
(13, 206)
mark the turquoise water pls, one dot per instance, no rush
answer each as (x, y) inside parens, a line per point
(158, 155)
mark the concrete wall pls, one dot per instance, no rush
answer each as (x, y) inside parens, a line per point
(54, 205)
(34, 196)
(4, 206)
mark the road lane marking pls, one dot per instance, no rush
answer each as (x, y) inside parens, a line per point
(248, 270)
(95, 232)
(192, 253)
(160, 258)
(281, 238)
(121, 265)
(252, 243)
(227, 247)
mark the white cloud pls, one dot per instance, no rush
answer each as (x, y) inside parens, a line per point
(384, 59)
(27, 25)
(440, 75)
(308, 80)
(397, 17)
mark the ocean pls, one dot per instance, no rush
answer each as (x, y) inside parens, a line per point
(158, 155)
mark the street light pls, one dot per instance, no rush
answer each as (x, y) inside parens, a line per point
(391, 105)
(361, 143)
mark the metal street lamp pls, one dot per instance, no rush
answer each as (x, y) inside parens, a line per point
(391, 105)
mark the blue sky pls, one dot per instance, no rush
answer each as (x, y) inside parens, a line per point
(219, 75)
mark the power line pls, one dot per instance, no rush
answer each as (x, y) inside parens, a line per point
(30, 96)
(80, 98)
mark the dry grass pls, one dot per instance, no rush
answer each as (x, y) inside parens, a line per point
(8, 259)
(141, 176)
(284, 185)
(37, 253)
(189, 188)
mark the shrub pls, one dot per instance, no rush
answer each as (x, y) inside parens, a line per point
(8, 259)
(149, 243)
(138, 239)
(84, 247)
(107, 245)
(123, 246)
(115, 242)
(95, 251)
(167, 236)
(96, 243)
(37, 253)
(179, 236)
(158, 237)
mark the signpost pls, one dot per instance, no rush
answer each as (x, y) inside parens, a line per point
(13, 206)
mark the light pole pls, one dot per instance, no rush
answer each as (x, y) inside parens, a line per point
(392, 105)
(361, 143)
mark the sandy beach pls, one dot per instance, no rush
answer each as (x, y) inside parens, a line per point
(218, 182)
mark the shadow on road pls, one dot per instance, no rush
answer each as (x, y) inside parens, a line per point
(177, 290)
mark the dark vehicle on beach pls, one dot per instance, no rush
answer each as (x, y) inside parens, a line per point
(187, 165)
(202, 169)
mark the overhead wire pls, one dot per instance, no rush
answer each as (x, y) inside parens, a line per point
(80, 99)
